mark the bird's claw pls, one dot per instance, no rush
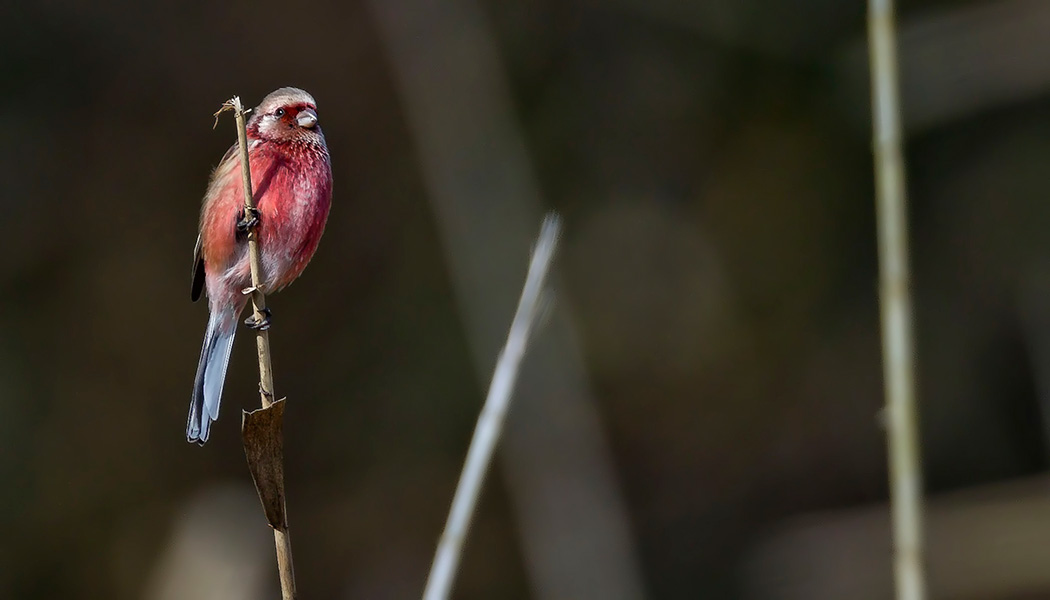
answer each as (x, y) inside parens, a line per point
(259, 324)
(248, 291)
(247, 219)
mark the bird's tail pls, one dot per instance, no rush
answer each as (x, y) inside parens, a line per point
(211, 373)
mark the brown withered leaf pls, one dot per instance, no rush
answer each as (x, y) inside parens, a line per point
(262, 434)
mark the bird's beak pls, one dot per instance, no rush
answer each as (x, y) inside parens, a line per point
(306, 118)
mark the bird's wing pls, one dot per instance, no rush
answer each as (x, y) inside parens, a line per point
(198, 271)
(198, 255)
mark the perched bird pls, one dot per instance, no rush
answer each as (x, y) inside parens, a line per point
(292, 181)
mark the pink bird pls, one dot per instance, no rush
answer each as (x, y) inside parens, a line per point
(292, 181)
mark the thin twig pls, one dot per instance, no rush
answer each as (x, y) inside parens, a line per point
(444, 60)
(262, 338)
(898, 344)
(493, 413)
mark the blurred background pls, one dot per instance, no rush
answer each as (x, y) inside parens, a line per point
(700, 415)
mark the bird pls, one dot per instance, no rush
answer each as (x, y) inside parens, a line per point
(291, 174)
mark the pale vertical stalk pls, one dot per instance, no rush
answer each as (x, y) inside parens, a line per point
(490, 421)
(262, 338)
(568, 506)
(898, 344)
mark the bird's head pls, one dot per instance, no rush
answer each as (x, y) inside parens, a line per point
(286, 115)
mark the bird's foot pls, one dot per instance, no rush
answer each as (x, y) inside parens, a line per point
(259, 324)
(248, 291)
(247, 220)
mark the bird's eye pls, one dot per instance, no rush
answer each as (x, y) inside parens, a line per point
(278, 113)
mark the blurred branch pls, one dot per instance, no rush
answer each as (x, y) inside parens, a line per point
(898, 345)
(957, 60)
(493, 413)
(571, 518)
(261, 429)
(961, 60)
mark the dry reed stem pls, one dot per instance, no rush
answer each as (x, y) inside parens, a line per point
(263, 441)
(493, 413)
(898, 343)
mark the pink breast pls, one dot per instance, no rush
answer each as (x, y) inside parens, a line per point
(294, 209)
(293, 192)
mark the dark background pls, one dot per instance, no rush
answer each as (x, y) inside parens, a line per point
(711, 161)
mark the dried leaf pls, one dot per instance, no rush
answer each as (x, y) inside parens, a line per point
(262, 434)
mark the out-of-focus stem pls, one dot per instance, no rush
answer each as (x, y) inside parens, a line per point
(570, 512)
(898, 343)
(490, 421)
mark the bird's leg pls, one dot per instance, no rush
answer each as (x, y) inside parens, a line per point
(246, 221)
(259, 324)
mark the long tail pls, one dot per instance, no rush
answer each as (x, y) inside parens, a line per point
(211, 373)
